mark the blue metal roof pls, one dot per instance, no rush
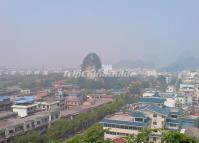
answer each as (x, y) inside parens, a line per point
(151, 100)
(2, 98)
(177, 112)
(138, 115)
(186, 86)
(25, 100)
(182, 121)
(188, 122)
(126, 123)
(159, 110)
(135, 114)
(174, 121)
(143, 107)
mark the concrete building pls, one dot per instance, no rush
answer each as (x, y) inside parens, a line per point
(12, 127)
(149, 93)
(170, 98)
(48, 105)
(5, 103)
(155, 137)
(151, 101)
(124, 123)
(73, 100)
(187, 88)
(157, 115)
(24, 106)
(183, 99)
(171, 89)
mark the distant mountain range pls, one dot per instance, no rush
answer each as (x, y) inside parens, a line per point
(134, 64)
(183, 63)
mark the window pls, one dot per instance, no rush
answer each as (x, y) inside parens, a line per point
(154, 139)
(138, 119)
(172, 125)
(154, 123)
(154, 115)
(38, 122)
(57, 116)
(174, 116)
(33, 124)
(11, 132)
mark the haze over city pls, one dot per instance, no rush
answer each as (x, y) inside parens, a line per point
(61, 33)
(99, 71)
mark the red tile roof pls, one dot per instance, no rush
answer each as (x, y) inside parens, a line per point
(119, 140)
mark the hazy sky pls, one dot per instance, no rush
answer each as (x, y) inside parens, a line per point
(62, 32)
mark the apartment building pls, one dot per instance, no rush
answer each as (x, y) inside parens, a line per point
(157, 115)
(13, 127)
(124, 123)
(187, 88)
(148, 112)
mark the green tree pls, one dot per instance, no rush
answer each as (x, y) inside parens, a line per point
(177, 137)
(135, 88)
(162, 82)
(32, 137)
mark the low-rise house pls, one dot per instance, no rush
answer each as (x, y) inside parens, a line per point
(155, 137)
(171, 89)
(71, 88)
(7, 114)
(48, 105)
(187, 88)
(5, 103)
(73, 100)
(183, 99)
(149, 93)
(12, 127)
(24, 106)
(151, 101)
(100, 96)
(170, 98)
(124, 123)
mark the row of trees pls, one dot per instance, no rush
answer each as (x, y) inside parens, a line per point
(65, 128)
(95, 134)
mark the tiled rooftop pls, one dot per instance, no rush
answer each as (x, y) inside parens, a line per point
(120, 122)
(152, 100)
(2, 98)
(25, 100)
(159, 110)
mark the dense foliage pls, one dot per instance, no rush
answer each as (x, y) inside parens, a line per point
(95, 134)
(177, 137)
(137, 87)
(29, 81)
